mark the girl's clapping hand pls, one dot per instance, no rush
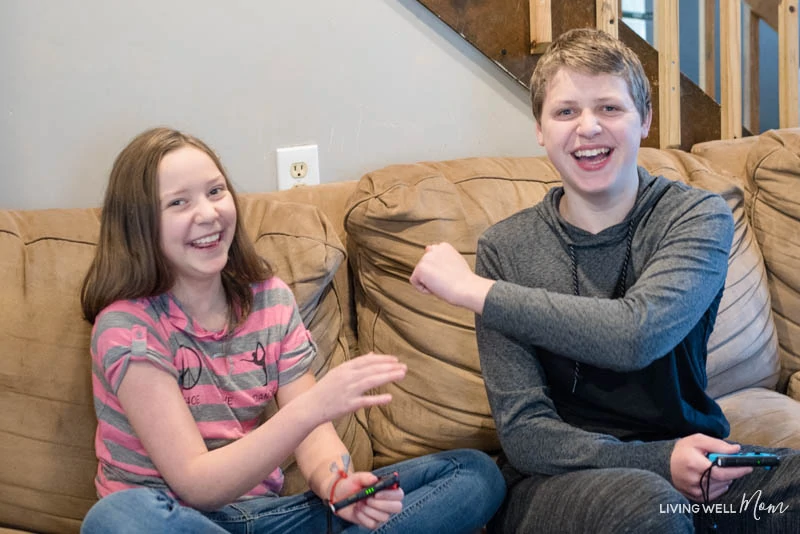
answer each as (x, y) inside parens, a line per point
(345, 388)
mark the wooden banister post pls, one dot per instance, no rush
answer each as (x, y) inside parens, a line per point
(730, 36)
(787, 63)
(608, 17)
(541, 25)
(669, 73)
(708, 43)
(751, 87)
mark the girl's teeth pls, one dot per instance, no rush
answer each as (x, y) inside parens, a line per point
(206, 240)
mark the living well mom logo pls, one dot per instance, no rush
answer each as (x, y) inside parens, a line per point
(750, 504)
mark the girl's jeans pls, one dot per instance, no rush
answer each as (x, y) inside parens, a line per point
(449, 492)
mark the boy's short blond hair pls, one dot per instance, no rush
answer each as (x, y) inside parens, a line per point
(590, 51)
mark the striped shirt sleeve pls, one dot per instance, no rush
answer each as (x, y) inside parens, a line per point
(124, 333)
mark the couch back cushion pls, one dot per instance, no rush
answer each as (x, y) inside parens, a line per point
(331, 200)
(397, 211)
(393, 214)
(771, 198)
(303, 247)
(47, 422)
(47, 418)
(743, 348)
(727, 155)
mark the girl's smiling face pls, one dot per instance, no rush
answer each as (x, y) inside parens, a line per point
(198, 215)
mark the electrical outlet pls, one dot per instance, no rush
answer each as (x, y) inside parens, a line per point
(297, 165)
(299, 169)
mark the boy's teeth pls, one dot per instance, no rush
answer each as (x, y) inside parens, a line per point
(591, 152)
(206, 240)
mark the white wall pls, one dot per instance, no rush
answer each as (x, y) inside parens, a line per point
(373, 82)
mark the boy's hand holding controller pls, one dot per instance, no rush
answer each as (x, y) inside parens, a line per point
(372, 511)
(689, 460)
(754, 459)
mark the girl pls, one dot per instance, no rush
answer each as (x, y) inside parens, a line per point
(193, 335)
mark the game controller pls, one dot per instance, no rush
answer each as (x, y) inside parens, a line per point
(387, 481)
(745, 459)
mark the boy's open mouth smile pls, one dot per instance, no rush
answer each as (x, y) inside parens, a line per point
(592, 159)
(591, 154)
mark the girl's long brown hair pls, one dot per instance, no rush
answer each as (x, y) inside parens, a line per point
(129, 263)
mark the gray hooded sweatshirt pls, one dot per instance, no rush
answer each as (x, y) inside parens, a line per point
(593, 346)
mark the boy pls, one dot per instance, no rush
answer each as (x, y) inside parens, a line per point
(593, 310)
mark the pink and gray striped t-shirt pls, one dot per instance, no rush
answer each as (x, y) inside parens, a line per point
(226, 380)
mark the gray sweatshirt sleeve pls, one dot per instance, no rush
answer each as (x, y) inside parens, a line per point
(676, 286)
(533, 436)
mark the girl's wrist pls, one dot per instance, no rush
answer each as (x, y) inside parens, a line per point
(338, 473)
(332, 497)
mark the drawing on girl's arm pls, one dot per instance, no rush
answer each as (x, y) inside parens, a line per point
(259, 357)
(189, 374)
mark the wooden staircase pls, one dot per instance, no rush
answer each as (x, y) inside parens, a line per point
(501, 30)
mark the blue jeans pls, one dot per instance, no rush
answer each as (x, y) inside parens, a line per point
(450, 492)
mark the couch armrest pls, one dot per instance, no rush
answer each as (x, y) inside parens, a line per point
(760, 416)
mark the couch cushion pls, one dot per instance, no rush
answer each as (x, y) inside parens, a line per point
(394, 213)
(47, 422)
(47, 419)
(302, 246)
(773, 204)
(742, 349)
(331, 200)
(727, 155)
(793, 388)
(760, 416)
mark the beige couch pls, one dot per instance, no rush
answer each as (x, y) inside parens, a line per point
(347, 249)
